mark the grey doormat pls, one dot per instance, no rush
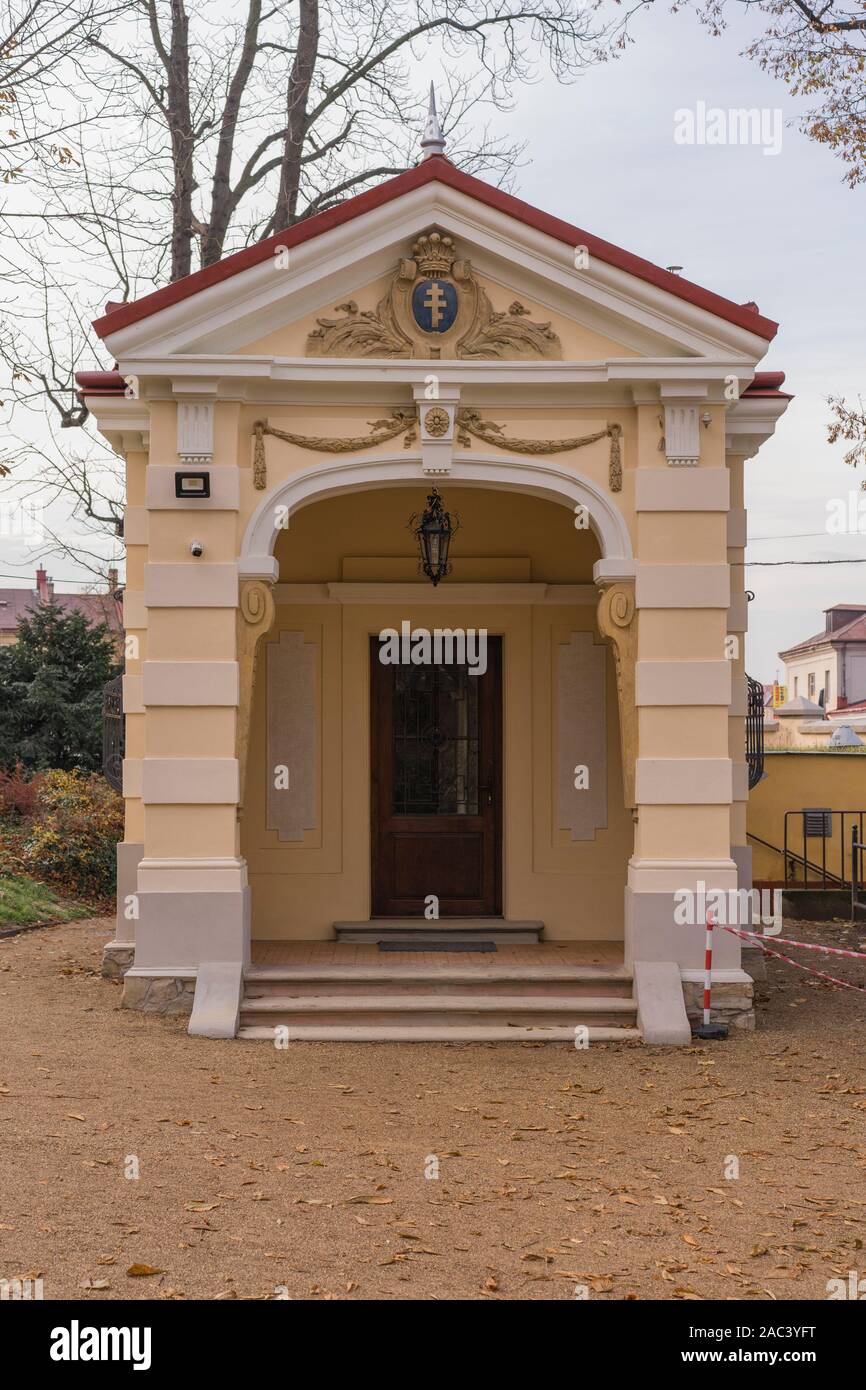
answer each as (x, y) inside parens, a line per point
(437, 945)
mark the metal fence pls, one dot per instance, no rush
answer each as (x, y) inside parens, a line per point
(817, 847)
(113, 733)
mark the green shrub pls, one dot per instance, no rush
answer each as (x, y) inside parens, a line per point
(71, 842)
(51, 685)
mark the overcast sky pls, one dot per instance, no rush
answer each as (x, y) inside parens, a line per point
(783, 230)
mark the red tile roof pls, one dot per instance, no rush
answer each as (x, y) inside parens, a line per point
(14, 605)
(96, 608)
(855, 631)
(436, 169)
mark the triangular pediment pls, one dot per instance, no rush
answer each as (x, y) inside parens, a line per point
(361, 287)
(512, 323)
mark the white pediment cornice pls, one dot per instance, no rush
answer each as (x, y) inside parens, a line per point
(254, 377)
(223, 317)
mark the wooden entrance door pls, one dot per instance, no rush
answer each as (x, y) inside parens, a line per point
(436, 787)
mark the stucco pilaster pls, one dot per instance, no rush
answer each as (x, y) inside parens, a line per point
(738, 621)
(684, 771)
(191, 890)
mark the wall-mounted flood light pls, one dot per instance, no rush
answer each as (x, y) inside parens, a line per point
(193, 485)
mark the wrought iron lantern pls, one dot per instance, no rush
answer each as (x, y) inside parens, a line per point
(433, 531)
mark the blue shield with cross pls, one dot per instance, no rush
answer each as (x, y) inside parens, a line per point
(434, 305)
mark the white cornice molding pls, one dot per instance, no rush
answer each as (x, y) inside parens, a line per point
(125, 422)
(750, 423)
(119, 413)
(701, 378)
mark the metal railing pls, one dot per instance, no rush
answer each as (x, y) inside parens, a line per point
(858, 907)
(755, 732)
(793, 858)
(832, 831)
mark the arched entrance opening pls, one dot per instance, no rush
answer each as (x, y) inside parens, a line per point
(526, 779)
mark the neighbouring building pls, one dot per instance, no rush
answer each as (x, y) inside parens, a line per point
(829, 669)
(305, 767)
(97, 608)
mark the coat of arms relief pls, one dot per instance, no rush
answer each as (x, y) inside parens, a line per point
(434, 308)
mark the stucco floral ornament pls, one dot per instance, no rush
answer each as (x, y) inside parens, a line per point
(437, 421)
(434, 308)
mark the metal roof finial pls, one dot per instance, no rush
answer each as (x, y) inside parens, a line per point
(432, 141)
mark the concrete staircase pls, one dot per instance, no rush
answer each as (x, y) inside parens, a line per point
(480, 1001)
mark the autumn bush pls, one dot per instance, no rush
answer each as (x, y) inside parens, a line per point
(18, 790)
(72, 835)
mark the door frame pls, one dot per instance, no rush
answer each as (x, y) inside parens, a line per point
(495, 665)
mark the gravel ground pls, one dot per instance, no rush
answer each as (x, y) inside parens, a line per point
(304, 1172)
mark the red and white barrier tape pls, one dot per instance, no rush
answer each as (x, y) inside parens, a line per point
(804, 945)
(754, 938)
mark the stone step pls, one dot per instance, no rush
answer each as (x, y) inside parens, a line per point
(542, 981)
(435, 1033)
(432, 1010)
(459, 929)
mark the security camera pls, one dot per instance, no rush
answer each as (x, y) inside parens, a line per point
(196, 548)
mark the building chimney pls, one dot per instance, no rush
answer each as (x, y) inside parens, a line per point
(112, 580)
(43, 588)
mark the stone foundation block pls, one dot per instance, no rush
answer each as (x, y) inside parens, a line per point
(158, 994)
(117, 958)
(732, 1003)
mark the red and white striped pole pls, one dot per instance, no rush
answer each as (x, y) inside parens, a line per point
(708, 967)
(708, 1029)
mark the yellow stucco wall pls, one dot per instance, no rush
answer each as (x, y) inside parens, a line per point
(575, 887)
(836, 781)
